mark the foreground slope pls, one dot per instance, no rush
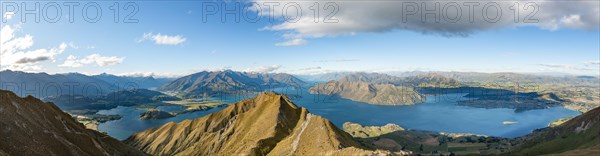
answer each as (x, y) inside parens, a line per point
(32, 127)
(269, 124)
(579, 136)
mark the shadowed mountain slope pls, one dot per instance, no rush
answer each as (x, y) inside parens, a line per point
(32, 127)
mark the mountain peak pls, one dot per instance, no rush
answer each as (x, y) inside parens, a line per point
(266, 124)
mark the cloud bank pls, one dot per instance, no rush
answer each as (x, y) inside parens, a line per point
(446, 18)
(96, 59)
(263, 69)
(16, 52)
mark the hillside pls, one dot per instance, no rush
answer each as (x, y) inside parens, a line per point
(578, 135)
(383, 94)
(227, 82)
(32, 127)
(269, 124)
(393, 137)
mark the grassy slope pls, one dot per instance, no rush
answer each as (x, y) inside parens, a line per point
(581, 132)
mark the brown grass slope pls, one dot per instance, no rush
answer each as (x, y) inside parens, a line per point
(578, 136)
(29, 126)
(269, 124)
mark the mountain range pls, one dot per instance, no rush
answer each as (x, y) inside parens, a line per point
(214, 83)
(43, 85)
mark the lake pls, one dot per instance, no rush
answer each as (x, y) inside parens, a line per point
(439, 114)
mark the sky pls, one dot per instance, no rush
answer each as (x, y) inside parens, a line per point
(175, 38)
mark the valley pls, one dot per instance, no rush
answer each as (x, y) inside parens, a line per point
(300, 78)
(422, 114)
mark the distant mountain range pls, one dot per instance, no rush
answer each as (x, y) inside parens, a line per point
(472, 77)
(422, 80)
(269, 124)
(383, 89)
(43, 85)
(80, 104)
(522, 78)
(32, 127)
(323, 77)
(228, 82)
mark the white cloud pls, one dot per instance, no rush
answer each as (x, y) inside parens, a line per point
(293, 42)
(572, 21)
(310, 68)
(8, 15)
(15, 52)
(354, 17)
(163, 39)
(592, 63)
(175, 74)
(72, 45)
(152, 74)
(97, 59)
(71, 62)
(263, 69)
(564, 66)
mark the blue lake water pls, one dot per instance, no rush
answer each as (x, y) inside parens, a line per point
(439, 114)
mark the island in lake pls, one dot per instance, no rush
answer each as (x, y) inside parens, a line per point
(381, 94)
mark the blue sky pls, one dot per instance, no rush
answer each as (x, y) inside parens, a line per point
(170, 39)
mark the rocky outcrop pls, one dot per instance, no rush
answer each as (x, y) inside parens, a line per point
(29, 126)
(269, 124)
(382, 94)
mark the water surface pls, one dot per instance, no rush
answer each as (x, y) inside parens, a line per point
(439, 114)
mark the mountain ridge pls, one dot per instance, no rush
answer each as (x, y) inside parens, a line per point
(226, 82)
(32, 127)
(269, 124)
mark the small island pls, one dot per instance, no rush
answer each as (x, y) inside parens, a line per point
(154, 114)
